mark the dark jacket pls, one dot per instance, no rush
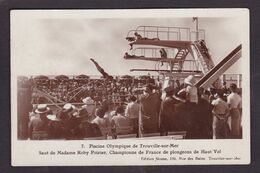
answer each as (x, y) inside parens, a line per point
(167, 114)
(38, 128)
(87, 129)
(150, 107)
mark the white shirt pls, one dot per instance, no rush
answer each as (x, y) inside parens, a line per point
(132, 110)
(120, 121)
(109, 115)
(220, 106)
(90, 109)
(192, 94)
(234, 100)
(101, 122)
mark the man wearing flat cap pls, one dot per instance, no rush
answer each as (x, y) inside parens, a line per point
(150, 107)
(167, 111)
(70, 121)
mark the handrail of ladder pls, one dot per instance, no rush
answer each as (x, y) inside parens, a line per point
(218, 66)
(209, 58)
(200, 59)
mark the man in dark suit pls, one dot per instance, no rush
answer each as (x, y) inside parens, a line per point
(87, 129)
(150, 107)
(183, 121)
(167, 112)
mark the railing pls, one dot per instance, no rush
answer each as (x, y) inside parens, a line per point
(203, 64)
(153, 52)
(167, 33)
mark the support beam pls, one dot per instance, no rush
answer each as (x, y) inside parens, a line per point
(220, 68)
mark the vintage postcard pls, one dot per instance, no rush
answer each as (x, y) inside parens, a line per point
(130, 87)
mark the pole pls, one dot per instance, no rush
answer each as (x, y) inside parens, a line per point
(197, 29)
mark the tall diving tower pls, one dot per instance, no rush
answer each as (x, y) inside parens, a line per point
(178, 43)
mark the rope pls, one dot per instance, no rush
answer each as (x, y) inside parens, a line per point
(77, 93)
(48, 96)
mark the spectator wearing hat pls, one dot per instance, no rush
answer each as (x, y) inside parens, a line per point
(182, 113)
(192, 99)
(38, 126)
(87, 129)
(167, 112)
(132, 112)
(150, 106)
(234, 102)
(90, 106)
(220, 116)
(55, 127)
(69, 121)
(191, 90)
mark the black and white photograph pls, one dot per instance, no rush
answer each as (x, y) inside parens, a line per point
(103, 78)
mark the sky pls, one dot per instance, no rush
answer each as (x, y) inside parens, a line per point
(53, 45)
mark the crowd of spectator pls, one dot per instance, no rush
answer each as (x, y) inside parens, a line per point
(73, 90)
(142, 108)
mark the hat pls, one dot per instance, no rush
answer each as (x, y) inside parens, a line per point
(181, 95)
(148, 88)
(88, 100)
(68, 107)
(53, 117)
(42, 108)
(190, 80)
(168, 89)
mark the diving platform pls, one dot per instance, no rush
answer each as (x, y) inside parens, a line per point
(163, 43)
(134, 57)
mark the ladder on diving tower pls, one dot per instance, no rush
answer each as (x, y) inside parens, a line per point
(220, 68)
(180, 58)
(205, 62)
